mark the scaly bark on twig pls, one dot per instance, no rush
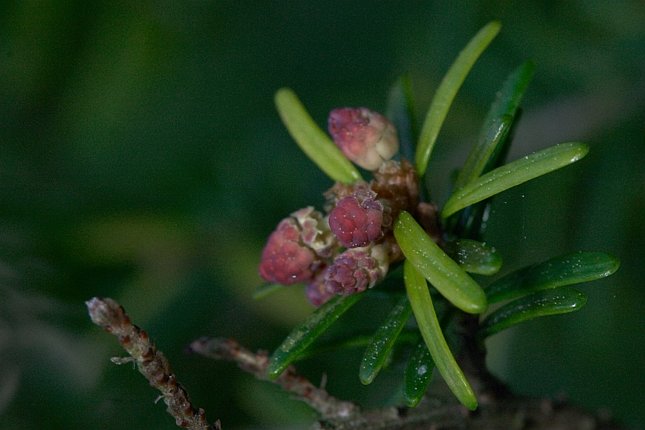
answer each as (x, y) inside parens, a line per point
(152, 364)
(256, 364)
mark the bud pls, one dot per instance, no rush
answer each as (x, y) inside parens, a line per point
(356, 270)
(367, 138)
(356, 219)
(397, 187)
(285, 260)
(317, 291)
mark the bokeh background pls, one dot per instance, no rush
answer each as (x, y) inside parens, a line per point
(141, 158)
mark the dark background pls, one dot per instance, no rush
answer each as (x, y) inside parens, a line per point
(141, 158)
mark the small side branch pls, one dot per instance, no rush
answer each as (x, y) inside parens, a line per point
(256, 364)
(151, 363)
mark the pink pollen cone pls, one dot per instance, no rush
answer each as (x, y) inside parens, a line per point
(356, 270)
(284, 259)
(367, 138)
(356, 222)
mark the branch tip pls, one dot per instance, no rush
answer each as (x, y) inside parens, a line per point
(150, 362)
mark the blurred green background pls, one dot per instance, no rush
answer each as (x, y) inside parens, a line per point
(141, 158)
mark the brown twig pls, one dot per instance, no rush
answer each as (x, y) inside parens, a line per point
(256, 364)
(439, 410)
(152, 364)
(444, 413)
